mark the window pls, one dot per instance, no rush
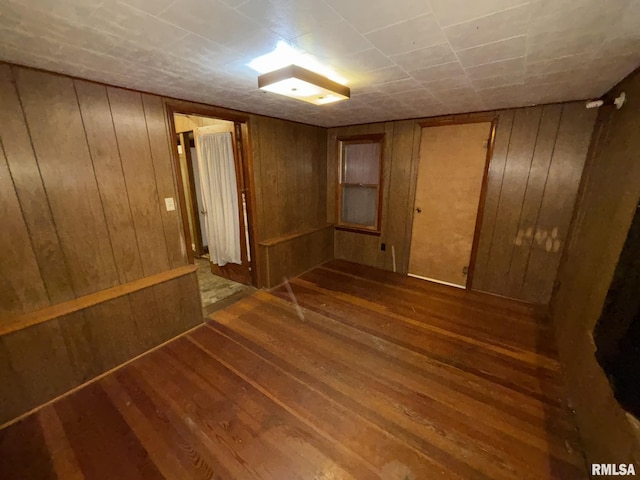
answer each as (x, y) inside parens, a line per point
(359, 183)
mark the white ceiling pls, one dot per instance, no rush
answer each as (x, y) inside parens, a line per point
(403, 58)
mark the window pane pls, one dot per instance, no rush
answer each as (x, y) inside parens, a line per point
(362, 163)
(359, 205)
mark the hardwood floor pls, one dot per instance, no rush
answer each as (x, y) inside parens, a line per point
(365, 375)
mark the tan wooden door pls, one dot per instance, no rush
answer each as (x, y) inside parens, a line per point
(450, 173)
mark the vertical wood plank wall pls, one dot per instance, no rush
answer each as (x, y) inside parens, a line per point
(608, 198)
(533, 179)
(290, 169)
(84, 169)
(289, 173)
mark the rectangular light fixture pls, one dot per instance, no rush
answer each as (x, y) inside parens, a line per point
(297, 82)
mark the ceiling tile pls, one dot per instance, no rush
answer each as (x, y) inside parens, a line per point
(387, 74)
(546, 46)
(493, 52)
(513, 66)
(353, 66)
(333, 40)
(492, 28)
(460, 81)
(135, 25)
(570, 62)
(425, 57)
(498, 81)
(398, 86)
(406, 36)
(199, 50)
(450, 12)
(438, 72)
(290, 18)
(369, 15)
(152, 7)
(211, 20)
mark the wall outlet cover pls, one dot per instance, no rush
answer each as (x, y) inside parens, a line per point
(170, 204)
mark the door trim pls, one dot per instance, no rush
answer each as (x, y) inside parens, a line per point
(244, 158)
(445, 121)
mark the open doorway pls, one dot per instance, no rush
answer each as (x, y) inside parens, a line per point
(214, 204)
(450, 189)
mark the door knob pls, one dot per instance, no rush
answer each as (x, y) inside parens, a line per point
(419, 210)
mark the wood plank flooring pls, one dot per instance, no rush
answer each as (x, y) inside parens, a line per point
(347, 373)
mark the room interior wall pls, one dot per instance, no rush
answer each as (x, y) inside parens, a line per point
(608, 198)
(533, 179)
(93, 268)
(290, 169)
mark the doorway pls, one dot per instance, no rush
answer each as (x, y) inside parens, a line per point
(452, 171)
(210, 154)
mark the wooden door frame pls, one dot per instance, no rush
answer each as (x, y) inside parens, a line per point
(195, 219)
(245, 159)
(441, 122)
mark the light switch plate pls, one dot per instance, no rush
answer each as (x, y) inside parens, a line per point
(170, 204)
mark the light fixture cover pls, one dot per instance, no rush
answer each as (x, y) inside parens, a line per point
(297, 82)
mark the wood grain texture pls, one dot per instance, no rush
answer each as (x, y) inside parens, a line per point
(290, 177)
(30, 191)
(375, 376)
(48, 359)
(133, 141)
(510, 259)
(297, 254)
(157, 132)
(21, 283)
(105, 154)
(607, 201)
(55, 125)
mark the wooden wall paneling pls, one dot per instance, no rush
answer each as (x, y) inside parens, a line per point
(387, 159)
(131, 132)
(514, 183)
(53, 115)
(290, 258)
(161, 154)
(50, 358)
(415, 162)
(40, 359)
(492, 199)
(607, 201)
(101, 138)
(332, 169)
(400, 179)
(21, 285)
(143, 308)
(77, 331)
(558, 200)
(537, 179)
(252, 193)
(268, 157)
(113, 334)
(13, 399)
(30, 190)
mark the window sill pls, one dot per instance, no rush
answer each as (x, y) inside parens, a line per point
(364, 231)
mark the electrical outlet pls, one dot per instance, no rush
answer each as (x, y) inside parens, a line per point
(170, 204)
(383, 247)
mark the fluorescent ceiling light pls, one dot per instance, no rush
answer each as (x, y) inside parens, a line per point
(285, 55)
(297, 82)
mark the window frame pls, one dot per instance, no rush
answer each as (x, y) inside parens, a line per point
(342, 141)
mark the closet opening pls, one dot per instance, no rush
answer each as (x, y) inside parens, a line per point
(213, 176)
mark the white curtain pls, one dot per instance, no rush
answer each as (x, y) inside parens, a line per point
(220, 196)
